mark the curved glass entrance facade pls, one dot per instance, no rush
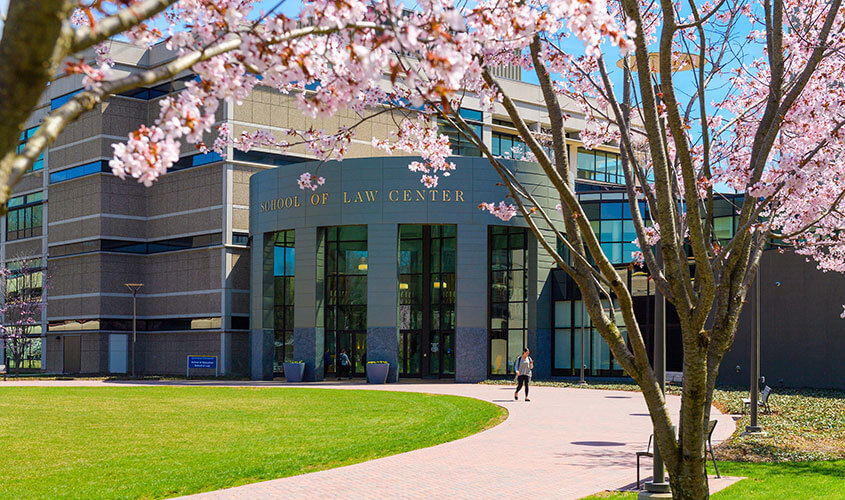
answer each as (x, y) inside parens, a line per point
(386, 271)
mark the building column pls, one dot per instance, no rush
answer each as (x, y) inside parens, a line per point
(308, 328)
(383, 296)
(261, 308)
(471, 304)
(225, 360)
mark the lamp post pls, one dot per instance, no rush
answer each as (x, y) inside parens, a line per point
(658, 483)
(582, 381)
(134, 287)
(754, 428)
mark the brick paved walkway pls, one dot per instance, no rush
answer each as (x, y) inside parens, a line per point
(565, 443)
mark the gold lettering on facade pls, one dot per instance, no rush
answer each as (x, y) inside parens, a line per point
(367, 196)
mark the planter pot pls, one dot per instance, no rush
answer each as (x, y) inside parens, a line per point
(294, 372)
(377, 373)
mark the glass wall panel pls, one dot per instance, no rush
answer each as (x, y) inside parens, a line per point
(600, 166)
(563, 314)
(427, 256)
(563, 349)
(507, 295)
(283, 284)
(346, 298)
(23, 219)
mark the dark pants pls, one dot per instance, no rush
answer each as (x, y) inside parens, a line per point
(522, 379)
(344, 371)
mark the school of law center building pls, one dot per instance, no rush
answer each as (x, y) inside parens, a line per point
(375, 264)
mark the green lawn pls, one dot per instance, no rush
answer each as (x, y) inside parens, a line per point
(784, 480)
(787, 480)
(156, 442)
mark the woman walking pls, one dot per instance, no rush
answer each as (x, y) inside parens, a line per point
(523, 366)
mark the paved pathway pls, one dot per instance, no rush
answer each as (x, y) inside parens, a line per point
(565, 443)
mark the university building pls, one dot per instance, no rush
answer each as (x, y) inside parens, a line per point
(236, 262)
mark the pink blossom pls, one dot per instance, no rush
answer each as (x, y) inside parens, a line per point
(309, 181)
(504, 211)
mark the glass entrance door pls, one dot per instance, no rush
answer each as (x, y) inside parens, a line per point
(409, 353)
(355, 345)
(427, 300)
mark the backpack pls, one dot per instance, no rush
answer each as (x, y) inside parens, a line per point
(517, 362)
(344, 359)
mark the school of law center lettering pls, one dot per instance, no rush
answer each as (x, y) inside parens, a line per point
(367, 196)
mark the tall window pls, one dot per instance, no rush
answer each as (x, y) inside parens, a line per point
(283, 283)
(38, 164)
(346, 294)
(460, 145)
(22, 287)
(30, 355)
(508, 298)
(412, 298)
(442, 340)
(600, 166)
(598, 360)
(427, 300)
(23, 220)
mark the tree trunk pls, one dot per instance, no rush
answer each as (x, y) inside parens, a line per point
(691, 483)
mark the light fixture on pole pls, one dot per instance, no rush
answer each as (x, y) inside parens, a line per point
(583, 318)
(134, 287)
(754, 429)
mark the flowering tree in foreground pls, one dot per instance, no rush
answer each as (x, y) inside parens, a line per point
(21, 285)
(762, 112)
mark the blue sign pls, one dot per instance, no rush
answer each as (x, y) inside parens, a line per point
(209, 362)
(205, 362)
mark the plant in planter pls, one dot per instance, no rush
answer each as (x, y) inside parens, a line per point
(294, 370)
(377, 372)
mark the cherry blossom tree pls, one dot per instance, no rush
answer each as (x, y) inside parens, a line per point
(760, 111)
(21, 284)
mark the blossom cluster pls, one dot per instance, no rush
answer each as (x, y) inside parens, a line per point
(503, 211)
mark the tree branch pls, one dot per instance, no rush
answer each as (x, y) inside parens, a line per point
(107, 27)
